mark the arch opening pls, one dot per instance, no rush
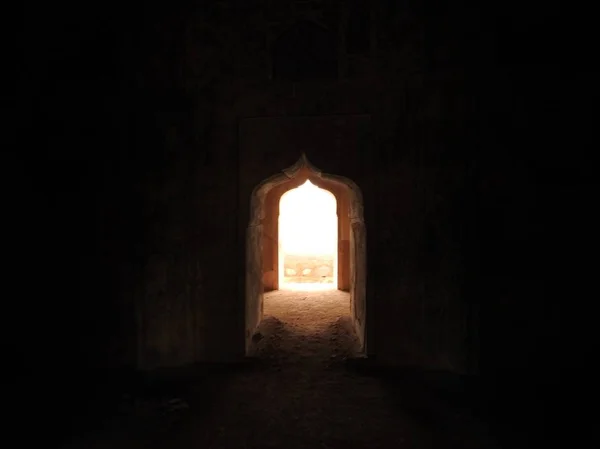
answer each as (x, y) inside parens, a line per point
(307, 239)
(266, 247)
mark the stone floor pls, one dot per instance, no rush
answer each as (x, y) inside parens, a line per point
(302, 387)
(309, 313)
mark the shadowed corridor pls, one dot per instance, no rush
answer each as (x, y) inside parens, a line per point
(149, 147)
(302, 387)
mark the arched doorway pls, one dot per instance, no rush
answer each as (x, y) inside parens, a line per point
(262, 242)
(307, 239)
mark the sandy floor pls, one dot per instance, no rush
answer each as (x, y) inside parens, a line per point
(302, 397)
(308, 313)
(296, 391)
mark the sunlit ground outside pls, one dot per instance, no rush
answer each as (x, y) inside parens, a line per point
(307, 286)
(308, 239)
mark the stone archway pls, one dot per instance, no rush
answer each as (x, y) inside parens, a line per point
(262, 241)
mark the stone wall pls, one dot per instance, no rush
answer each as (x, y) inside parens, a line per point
(131, 166)
(398, 135)
(312, 269)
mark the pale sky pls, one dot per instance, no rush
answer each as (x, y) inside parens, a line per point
(308, 221)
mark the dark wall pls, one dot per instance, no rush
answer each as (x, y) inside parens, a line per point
(531, 229)
(91, 133)
(127, 168)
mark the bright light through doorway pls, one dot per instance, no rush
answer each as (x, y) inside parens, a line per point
(308, 228)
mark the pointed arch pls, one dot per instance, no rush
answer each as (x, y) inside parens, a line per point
(262, 240)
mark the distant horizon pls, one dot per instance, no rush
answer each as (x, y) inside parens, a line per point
(308, 221)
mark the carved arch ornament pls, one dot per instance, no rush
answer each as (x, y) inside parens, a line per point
(257, 209)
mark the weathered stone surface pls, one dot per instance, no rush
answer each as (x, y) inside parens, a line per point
(358, 136)
(155, 130)
(370, 131)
